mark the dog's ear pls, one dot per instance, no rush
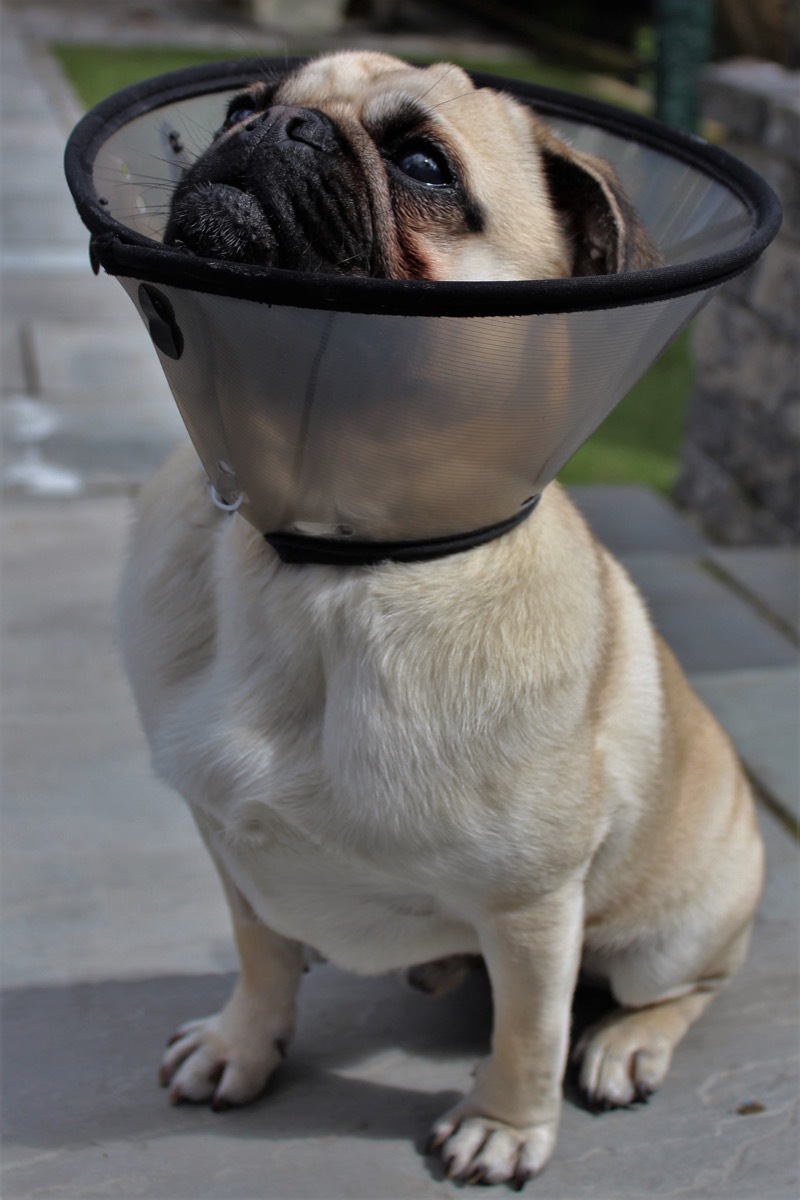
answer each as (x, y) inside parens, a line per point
(605, 233)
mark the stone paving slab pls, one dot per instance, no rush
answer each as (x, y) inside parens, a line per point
(33, 176)
(21, 103)
(760, 711)
(89, 359)
(41, 290)
(102, 413)
(632, 519)
(72, 443)
(87, 830)
(13, 377)
(32, 136)
(771, 574)
(372, 1065)
(33, 81)
(40, 221)
(709, 627)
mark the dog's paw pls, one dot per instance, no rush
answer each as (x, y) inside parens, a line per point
(215, 1060)
(443, 975)
(623, 1059)
(479, 1149)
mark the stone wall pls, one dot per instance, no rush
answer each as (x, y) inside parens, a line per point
(740, 463)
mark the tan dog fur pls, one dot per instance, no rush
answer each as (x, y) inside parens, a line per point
(488, 754)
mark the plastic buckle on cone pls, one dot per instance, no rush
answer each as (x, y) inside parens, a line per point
(226, 505)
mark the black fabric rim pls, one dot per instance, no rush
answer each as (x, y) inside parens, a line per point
(122, 251)
(298, 548)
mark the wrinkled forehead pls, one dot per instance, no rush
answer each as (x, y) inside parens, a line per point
(364, 82)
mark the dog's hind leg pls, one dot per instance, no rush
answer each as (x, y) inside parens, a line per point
(443, 975)
(626, 1056)
(227, 1059)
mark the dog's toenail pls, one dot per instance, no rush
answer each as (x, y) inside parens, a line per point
(435, 1142)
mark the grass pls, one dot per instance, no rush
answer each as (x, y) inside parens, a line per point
(640, 441)
(97, 71)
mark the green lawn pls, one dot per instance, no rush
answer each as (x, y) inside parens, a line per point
(97, 71)
(639, 442)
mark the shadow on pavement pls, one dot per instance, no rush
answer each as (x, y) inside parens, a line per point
(371, 1058)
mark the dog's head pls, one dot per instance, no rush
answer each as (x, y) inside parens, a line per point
(357, 164)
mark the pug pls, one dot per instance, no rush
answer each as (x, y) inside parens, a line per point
(413, 765)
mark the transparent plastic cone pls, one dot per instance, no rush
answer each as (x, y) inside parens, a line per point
(375, 425)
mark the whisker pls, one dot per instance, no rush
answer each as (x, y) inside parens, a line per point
(170, 162)
(450, 99)
(150, 181)
(196, 124)
(196, 131)
(154, 210)
(450, 67)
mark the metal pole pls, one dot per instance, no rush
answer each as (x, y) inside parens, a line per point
(684, 47)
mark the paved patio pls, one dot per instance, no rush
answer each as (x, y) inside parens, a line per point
(114, 929)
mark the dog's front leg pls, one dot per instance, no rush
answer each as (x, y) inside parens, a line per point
(505, 1129)
(227, 1058)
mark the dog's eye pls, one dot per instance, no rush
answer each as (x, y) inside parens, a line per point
(240, 111)
(424, 163)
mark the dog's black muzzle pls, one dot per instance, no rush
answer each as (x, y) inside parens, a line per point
(282, 189)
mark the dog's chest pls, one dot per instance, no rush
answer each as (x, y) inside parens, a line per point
(334, 825)
(316, 713)
(346, 767)
(314, 742)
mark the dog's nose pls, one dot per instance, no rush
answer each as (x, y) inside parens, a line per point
(285, 122)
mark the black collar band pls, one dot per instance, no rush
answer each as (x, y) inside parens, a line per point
(298, 548)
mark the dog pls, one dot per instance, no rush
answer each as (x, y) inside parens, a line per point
(409, 765)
